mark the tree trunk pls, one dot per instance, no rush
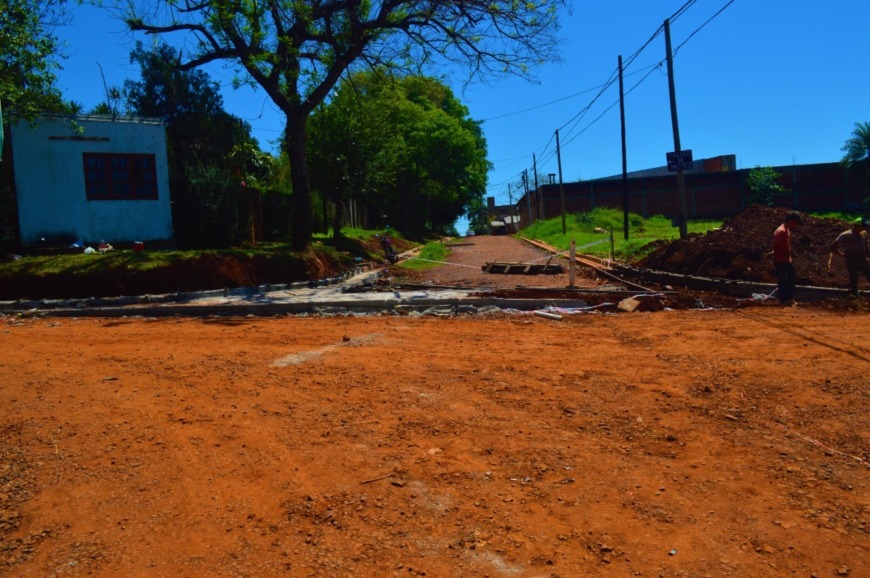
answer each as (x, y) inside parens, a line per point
(303, 206)
(337, 216)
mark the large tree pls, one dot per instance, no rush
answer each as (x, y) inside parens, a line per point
(403, 146)
(298, 50)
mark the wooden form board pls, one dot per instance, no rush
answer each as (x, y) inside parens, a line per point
(523, 268)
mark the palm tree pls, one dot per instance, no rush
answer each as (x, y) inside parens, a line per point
(857, 148)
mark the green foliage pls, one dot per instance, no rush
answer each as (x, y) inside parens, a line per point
(591, 232)
(214, 164)
(841, 216)
(857, 147)
(29, 53)
(212, 214)
(478, 216)
(404, 147)
(28, 57)
(124, 260)
(762, 185)
(297, 52)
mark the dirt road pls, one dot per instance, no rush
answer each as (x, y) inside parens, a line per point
(681, 443)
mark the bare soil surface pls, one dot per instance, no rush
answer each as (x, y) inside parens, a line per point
(727, 442)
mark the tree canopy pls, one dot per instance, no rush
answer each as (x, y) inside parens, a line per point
(210, 151)
(405, 147)
(29, 53)
(857, 147)
(763, 185)
(297, 51)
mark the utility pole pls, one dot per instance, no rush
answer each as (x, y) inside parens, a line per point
(541, 200)
(624, 160)
(561, 183)
(681, 182)
(528, 195)
(511, 203)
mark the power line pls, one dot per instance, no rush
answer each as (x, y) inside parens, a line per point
(603, 88)
(539, 106)
(689, 37)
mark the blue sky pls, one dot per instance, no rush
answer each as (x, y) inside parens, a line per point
(773, 82)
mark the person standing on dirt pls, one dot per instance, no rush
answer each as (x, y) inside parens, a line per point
(786, 279)
(853, 246)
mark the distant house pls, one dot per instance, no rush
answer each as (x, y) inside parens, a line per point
(90, 178)
(503, 219)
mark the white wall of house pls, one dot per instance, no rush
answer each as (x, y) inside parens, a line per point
(50, 180)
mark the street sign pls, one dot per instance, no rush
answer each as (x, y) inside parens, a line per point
(680, 161)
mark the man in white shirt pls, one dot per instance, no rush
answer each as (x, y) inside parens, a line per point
(853, 245)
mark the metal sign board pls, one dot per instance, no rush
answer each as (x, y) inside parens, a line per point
(680, 161)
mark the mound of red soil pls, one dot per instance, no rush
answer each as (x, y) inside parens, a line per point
(741, 248)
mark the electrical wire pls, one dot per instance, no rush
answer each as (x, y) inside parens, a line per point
(689, 37)
(575, 120)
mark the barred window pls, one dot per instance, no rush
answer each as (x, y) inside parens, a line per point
(120, 177)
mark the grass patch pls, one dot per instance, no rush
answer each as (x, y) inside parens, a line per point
(432, 251)
(838, 216)
(592, 232)
(125, 260)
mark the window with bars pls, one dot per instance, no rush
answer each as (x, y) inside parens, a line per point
(120, 177)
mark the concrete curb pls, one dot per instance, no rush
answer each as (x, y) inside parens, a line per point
(451, 306)
(348, 279)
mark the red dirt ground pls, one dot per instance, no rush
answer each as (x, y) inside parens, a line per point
(676, 443)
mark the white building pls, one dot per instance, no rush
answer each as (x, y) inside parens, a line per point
(92, 178)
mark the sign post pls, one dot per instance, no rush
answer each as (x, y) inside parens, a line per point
(680, 160)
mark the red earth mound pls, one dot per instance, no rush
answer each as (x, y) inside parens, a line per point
(740, 250)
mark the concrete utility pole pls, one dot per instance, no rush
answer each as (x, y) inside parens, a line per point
(561, 183)
(511, 204)
(528, 195)
(624, 160)
(537, 193)
(681, 182)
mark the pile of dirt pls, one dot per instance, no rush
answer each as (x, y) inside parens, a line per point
(741, 248)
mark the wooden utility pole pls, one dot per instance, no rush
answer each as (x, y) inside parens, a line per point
(681, 182)
(624, 160)
(561, 183)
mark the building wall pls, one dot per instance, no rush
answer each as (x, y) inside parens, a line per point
(810, 188)
(50, 181)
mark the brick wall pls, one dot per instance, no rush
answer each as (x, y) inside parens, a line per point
(811, 188)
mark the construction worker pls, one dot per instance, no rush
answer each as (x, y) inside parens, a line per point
(852, 245)
(786, 279)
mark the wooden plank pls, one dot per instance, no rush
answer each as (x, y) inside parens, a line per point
(521, 268)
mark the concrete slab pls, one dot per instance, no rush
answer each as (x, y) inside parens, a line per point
(355, 294)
